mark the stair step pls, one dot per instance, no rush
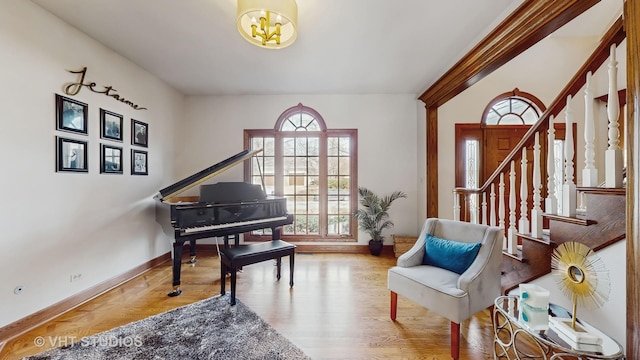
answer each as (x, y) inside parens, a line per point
(602, 190)
(577, 220)
(545, 237)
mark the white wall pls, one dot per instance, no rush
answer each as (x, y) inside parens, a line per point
(58, 224)
(387, 139)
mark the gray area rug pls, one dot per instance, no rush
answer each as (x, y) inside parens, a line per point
(208, 329)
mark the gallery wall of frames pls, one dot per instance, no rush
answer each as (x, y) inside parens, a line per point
(72, 144)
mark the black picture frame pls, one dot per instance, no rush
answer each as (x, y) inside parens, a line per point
(72, 155)
(71, 115)
(139, 162)
(139, 133)
(110, 159)
(110, 125)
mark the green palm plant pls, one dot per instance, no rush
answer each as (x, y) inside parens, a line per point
(373, 217)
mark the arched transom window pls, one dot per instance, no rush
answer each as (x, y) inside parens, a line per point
(514, 108)
(314, 168)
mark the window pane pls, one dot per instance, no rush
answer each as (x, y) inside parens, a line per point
(288, 125)
(332, 166)
(257, 143)
(332, 146)
(530, 116)
(511, 119)
(269, 148)
(289, 146)
(314, 146)
(314, 185)
(301, 147)
(344, 146)
(314, 166)
(344, 164)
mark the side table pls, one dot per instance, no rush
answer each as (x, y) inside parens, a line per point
(514, 340)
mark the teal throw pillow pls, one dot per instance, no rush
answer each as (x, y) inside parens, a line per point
(452, 255)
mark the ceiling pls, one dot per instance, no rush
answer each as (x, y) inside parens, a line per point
(343, 46)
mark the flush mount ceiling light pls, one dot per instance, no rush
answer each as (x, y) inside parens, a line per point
(269, 24)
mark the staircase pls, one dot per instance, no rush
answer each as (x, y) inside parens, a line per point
(600, 220)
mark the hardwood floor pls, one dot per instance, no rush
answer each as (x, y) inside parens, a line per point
(338, 309)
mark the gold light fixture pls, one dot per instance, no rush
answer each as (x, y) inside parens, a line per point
(270, 24)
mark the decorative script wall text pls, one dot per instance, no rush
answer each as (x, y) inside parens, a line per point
(74, 89)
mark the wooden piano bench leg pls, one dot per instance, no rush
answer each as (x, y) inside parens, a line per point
(291, 261)
(279, 266)
(223, 272)
(233, 286)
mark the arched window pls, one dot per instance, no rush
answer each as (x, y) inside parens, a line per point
(513, 108)
(314, 168)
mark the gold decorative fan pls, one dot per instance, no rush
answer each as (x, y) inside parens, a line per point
(581, 275)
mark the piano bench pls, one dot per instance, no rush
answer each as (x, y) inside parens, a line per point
(233, 258)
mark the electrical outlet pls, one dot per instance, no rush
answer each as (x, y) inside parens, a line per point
(75, 277)
(18, 290)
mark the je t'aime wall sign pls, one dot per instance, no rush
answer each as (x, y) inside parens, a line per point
(75, 87)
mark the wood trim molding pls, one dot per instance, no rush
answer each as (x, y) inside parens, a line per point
(529, 23)
(40, 317)
(432, 162)
(632, 27)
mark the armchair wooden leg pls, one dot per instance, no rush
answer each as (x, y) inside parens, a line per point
(455, 340)
(394, 305)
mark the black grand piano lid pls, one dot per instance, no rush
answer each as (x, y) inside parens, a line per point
(203, 175)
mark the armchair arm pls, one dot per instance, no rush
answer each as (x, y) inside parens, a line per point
(414, 256)
(482, 278)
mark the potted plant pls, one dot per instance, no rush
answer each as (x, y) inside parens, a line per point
(373, 217)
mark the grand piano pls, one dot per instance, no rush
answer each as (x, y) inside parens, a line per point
(224, 209)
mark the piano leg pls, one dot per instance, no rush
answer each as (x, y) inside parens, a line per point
(192, 251)
(177, 263)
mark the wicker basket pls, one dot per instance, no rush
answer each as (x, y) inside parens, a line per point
(402, 243)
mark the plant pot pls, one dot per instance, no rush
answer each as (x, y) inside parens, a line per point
(375, 247)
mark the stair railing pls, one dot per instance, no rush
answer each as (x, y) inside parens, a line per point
(477, 210)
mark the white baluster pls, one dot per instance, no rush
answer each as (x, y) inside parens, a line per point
(473, 200)
(589, 173)
(484, 208)
(492, 202)
(551, 201)
(536, 212)
(456, 206)
(512, 241)
(501, 214)
(523, 225)
(613, 155)
(569, 195)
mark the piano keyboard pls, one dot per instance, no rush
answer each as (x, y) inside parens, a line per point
(196, 229)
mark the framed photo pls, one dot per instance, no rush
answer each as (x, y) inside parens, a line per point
(71, 115)
(110, 125)
(139, 162)
(139, 133)
(71, 155)
(110, 159)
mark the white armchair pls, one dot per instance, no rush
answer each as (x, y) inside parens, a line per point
(455, 296)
